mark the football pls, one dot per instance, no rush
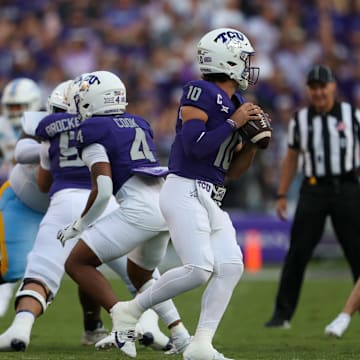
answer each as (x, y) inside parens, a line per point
(258, 131)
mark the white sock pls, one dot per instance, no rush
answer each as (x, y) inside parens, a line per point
(204, 335)
(217, 295)
(134, 308)
(24, 321)
(179, 330)
(166, 309)
(172, 283)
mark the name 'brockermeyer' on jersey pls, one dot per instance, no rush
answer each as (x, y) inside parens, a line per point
(67, 169)
(128, 140)
(61, 125)
(216, 103)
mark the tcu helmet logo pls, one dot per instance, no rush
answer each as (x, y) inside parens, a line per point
(229, 35)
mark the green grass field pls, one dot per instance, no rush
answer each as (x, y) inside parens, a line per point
(241, 334)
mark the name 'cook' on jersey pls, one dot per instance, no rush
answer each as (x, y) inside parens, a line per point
(210, 98)
(128, 140)
(67, 168)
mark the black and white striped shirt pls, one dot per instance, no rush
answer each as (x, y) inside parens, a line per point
(329, 143)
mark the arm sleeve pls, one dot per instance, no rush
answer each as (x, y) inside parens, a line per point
(105, 188)
(27, 151)
(92, 154)
(44, 155)
(198, 142)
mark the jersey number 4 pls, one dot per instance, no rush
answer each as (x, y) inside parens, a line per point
(140, 148)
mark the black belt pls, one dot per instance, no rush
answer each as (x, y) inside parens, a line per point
(332, 180)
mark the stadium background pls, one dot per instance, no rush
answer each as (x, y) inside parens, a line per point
(151, 46)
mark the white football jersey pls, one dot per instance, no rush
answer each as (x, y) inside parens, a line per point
(8, 138)
(23, 182)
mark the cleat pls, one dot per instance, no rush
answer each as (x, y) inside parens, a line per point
(106, 342)
(18, 345)
(199, 351)
(91, 337)
(202, 351)
(146, 339)
(219, 356)
(121, 340)
(178, 344)
(149, 334)
(276, 322)
(338, 326)
(11, 340)
(123, 334)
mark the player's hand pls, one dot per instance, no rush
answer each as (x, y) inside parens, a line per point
(281, 208)
(68, 232)
(246, 112)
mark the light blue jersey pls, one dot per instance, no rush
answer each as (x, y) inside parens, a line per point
(17, 222)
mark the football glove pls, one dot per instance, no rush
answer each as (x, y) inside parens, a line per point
(69, 231)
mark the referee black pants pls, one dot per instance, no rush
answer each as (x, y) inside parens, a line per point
(340, 201)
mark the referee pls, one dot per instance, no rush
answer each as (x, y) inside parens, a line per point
(326, 136)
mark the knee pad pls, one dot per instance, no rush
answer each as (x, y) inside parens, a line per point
(44, 302)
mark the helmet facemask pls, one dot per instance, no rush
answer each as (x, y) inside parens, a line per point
(20, 95)
(242, 71)
(228, 51)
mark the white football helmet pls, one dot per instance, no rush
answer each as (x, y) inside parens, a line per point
(227, 51)
(100, 93)
(72, 94)
(57, 100)
(20, 95)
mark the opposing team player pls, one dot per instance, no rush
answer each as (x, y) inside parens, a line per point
(202, 155)
(19, 95)
(118, 147)
(16, 207)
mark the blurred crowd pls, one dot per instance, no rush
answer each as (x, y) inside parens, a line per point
(151, 45)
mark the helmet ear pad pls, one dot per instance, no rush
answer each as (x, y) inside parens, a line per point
(227, 51)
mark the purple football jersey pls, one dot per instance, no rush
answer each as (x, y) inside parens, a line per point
(210, 98)
(128, 140)
(67, 169)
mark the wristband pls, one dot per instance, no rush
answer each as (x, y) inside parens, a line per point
(232, 123)
(280, 196)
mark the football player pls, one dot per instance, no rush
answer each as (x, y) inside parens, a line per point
(118, 149)
(203, 154)
(22, 202)
(19, 95)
